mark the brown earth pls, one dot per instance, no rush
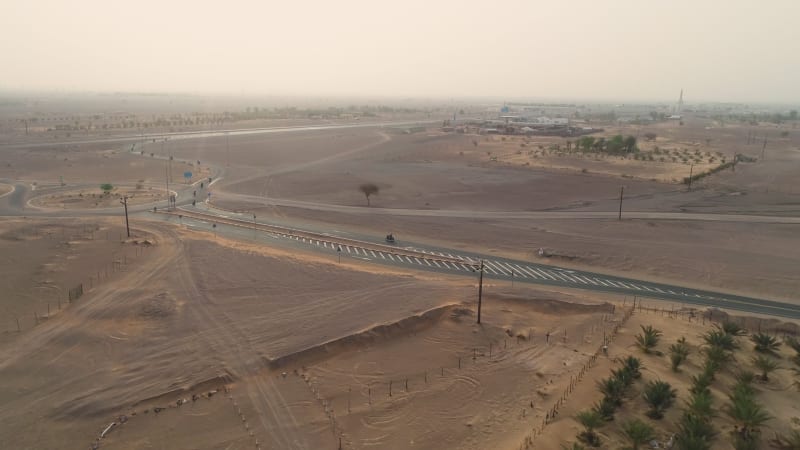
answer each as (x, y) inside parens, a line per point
(779, 396)
(193, 314)
(97, 198)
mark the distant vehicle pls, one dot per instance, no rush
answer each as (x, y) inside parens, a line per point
(390, 238)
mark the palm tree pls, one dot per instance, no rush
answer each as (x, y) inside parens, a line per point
(717, 338)
(637, 432)
(747, 414)
(678, 353)
(716, 357)
(613, 389)
(701, 404)
(633, 365)
(648, 339)
(793, 342)
(765, 365)
(660, 396)
(732, 328)
(701, 382)
(744, 377)
(691, 442)
(574, 446)
(623, 375)
(694, 433)
(590, 420)
(605, 408)
(765, 343)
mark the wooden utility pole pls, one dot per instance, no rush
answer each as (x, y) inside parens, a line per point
(480, 291)
(691, 169)
(169, 198)
(124, 202)
(621, 190)
(764, 148)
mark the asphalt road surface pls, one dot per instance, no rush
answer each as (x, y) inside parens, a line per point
(411, 256)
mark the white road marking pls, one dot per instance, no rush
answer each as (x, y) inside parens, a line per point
(552, 274)
(528, 271)
(390, 256)
(382, 255)
(348, 248)
(492, 265)
(562, 276)
(427, 262)
(373, 254)
(437, 264)
(579, 278)
(501, 268)
(409, 260)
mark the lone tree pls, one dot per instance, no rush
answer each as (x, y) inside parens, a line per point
(368, 189)
(107, 187)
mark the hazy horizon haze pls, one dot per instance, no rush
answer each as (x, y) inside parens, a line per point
(626, 50)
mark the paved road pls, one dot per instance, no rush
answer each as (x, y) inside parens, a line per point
(462, 263)
(211, 133)
(481, 214)
(438, 260)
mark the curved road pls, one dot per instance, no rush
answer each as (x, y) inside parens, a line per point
(15, 204)
(481, 214)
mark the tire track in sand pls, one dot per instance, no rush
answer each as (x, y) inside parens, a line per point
(230, 340)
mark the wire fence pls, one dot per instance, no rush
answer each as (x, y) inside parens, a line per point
(400, 387)
(42, 312)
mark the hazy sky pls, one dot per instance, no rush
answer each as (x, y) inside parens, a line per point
(726, 50)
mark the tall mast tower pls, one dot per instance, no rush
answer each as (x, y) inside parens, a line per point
(680, 104)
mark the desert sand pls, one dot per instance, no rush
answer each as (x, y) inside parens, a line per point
(190, 339)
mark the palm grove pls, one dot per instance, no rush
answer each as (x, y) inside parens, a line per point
(695, 428)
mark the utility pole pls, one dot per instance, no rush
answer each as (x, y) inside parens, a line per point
(621, 190)
(227, 150)
(764, 148)
(691, 168)
(480, 291)
(169, 200)
(124, 202)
